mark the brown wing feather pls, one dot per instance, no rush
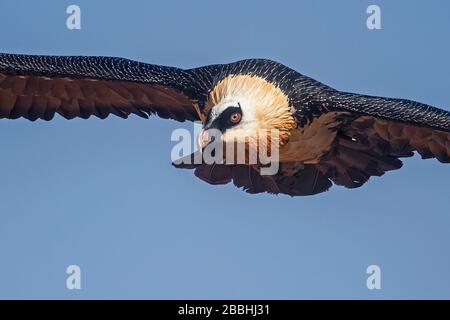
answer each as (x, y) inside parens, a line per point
(39, 97)
(368, 146)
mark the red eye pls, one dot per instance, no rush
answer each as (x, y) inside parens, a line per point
(235, 117)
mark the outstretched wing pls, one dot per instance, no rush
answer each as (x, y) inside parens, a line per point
(37, 87)
(373, 133)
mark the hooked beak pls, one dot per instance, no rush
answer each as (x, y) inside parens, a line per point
(202, 139)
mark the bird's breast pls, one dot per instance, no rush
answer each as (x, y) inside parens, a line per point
(311, 142)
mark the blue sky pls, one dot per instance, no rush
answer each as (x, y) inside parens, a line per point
(103, 194)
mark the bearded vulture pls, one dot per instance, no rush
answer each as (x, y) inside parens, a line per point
(325, 136)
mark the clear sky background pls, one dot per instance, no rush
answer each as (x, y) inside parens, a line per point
(103, 194)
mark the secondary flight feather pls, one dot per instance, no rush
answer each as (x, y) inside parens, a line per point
(325, 136)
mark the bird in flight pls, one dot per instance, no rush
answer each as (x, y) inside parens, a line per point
(325, 136)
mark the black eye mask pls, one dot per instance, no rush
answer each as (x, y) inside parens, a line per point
(223, 122)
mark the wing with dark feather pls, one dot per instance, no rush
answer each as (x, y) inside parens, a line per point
(374, 132)
(37, 87)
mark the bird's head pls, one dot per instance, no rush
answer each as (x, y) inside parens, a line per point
(247, 109)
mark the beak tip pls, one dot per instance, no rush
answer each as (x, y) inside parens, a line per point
(202, 139)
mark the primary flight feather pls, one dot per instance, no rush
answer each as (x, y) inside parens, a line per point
(325, 136)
